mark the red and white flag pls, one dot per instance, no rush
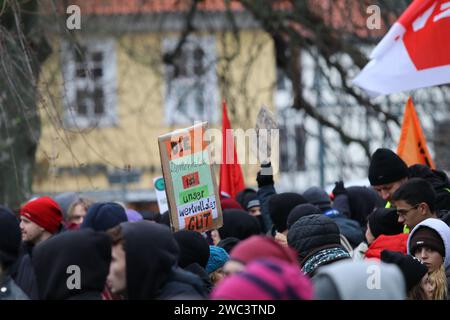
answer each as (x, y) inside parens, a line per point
(415, 53)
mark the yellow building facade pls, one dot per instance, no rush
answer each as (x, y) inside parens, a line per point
(80, 158)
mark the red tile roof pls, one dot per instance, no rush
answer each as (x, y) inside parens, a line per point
(123, 7)
(336, 13)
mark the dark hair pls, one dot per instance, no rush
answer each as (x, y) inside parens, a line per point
(116, 235)
(415, 191)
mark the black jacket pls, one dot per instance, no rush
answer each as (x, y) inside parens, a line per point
(23, 271)
(198, 270)
(151, 264)
(71, 258)
(23, 274)
(182, 285)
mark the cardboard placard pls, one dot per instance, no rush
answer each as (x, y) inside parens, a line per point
(191, 187)
(265, 121)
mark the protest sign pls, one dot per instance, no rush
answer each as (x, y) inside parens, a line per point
(160, 190)
(267, 147)
(191, 186)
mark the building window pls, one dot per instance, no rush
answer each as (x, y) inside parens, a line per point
(191, 82)
(89, 72)
(292, 148)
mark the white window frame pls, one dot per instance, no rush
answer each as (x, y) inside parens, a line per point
(107, 82)
(174, 89)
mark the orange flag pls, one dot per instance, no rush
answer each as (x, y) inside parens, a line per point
(412, 147)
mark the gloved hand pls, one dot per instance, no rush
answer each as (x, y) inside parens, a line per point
(339, 188)
(265, 175)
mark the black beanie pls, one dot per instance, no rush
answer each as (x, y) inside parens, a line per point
(238, 224)
(301, 210)
(251, 200)
(280, 205)
(426, 237)
(386, 167)
(228, 243)
(194, 248)
(384, 221)
(102, 216)
(412, 268)
(10, 237)
(318, 197)
(240, 196)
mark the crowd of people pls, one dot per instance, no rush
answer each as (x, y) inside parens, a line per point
(388, 241)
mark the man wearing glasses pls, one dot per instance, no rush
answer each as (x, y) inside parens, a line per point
(415, 202)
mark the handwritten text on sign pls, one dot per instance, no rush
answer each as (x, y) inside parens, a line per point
(192, 190)
(199, 222)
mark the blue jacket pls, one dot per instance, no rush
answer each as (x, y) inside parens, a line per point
(264, 193)
(351, 229)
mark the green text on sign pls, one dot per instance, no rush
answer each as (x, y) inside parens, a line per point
(194, 194)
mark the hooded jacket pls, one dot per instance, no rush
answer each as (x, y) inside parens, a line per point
(194, 248)
(357, 203)
(151, 264)
(238, 224)
(59, 260)
(351, 280)
(383, 242)
(444, 231)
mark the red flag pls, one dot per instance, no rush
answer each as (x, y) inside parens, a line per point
(231, 178)
(413, 54)
(412, 147)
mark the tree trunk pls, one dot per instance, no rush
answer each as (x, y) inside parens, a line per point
(19, 118)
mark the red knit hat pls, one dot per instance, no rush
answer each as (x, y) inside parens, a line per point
(257, 247)
(43, 211)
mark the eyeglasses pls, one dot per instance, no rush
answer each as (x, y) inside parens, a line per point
(404, 212)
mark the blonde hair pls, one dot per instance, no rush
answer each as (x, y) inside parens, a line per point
(85, 202)
(439, 279)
